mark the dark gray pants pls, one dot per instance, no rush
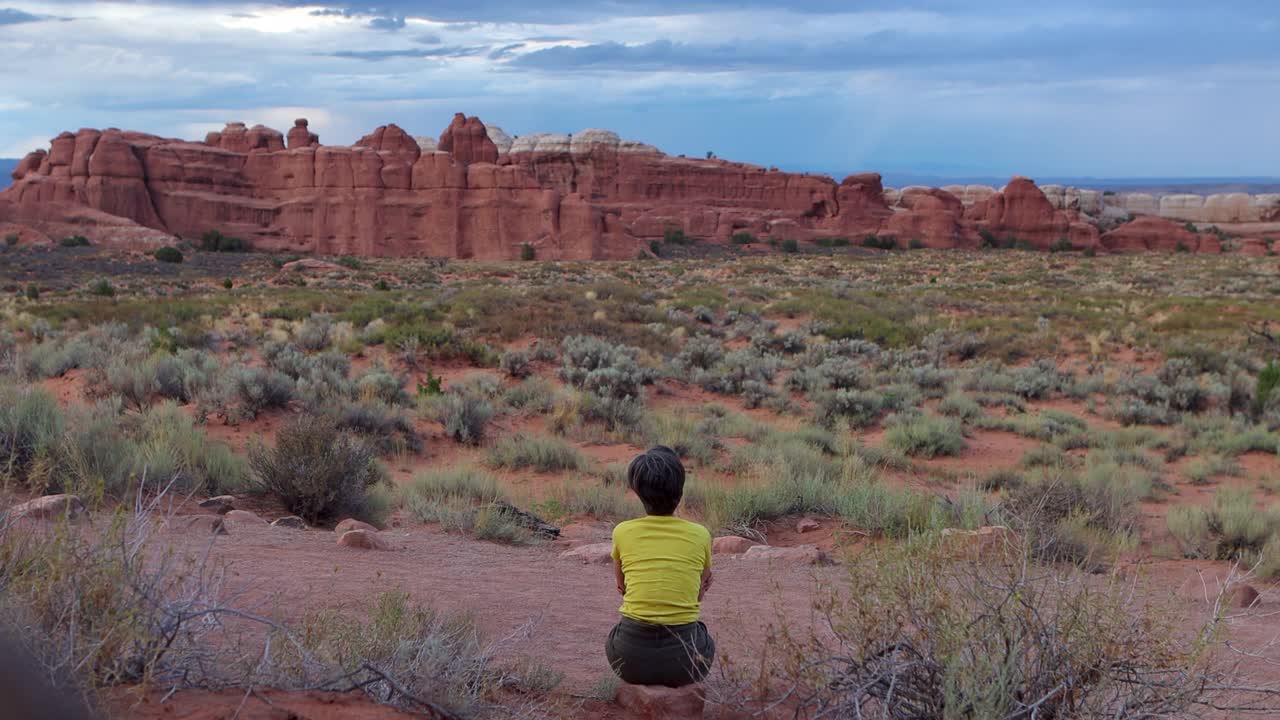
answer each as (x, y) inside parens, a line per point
(671, 655)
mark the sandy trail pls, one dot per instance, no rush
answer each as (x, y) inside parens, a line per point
(504, 588)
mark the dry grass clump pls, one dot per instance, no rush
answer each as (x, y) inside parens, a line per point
(544, 454)
(916, 634)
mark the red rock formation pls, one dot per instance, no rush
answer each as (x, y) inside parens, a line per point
(299, 136)
(1022, 213)
(585, 196)
(1148, 232)
(468, 141)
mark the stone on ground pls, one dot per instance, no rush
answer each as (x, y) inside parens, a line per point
(219, 503)
(49, 506)
(353, 524)
(590, 554)
(363, 540)
(236, 518)
(654, 702)
(798, 555)
(292, 522)
(807, 525)
(201, 524)
(731, 545)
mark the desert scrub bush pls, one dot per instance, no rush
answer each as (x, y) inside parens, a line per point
(388, 429)
(1067, 517)
(242, 393)
(544, 454)
(925, 436)
(737, 368)
(102, 287)
(31, 429)
(516, 364)
(313, 335)
(74, 241)
(214, 241)
(106, 608)
(857, 408)
(1043, 456)
(534, 395)
(320, 473)
(380, 384)
(463, 484)
(985, 639)
(408, 655)
(1265, 388)
(960, 406)
(608, 502)
(610, 378)
(173, 452)
(1239, 527)
(698, 353)
(1000, 480)
(168, 255)
(1199, 471)
(464, 413)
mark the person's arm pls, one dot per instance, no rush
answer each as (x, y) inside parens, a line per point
(619, 577)
(706, 570)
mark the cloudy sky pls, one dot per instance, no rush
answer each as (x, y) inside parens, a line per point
(945, 87)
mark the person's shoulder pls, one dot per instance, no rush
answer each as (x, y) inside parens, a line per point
(696, 529)
(625, 526)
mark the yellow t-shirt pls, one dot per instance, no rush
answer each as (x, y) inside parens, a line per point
(662, 561)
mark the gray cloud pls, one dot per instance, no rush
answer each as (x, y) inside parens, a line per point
(505, 51)
(453, 51)
(14, 16)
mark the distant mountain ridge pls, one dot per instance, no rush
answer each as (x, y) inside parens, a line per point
(6, 166)
(1155, 185)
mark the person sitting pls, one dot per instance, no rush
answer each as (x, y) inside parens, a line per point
(663, 569)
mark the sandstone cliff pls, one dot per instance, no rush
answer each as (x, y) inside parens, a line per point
(476, 192)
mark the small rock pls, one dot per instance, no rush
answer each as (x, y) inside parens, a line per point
(1244, 596)
(363, 539)
(807, 525)
(243, 517)
(292, 522)
(598, 553)
(49, 506)
(799, 555)
(203, 524)
(731, 545)
(353, 524)
(660, 703)
(220, 503)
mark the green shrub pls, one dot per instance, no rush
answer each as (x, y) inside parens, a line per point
(1268, 381)
(925, 436)
(384, 427)
(790, 246)
(859, 408)
(1189, 526)
(31, 428)
(175, 453)
(832, 242)
(675, 236)
(534, 395)
(318, 472)
(882, 243)
(528, 252)
(743, 238)
(915, 244)
(32, 292)
(465, 415)
(544, 454)
(74, 241)
(464, 484)
(168, 254)
(516, 364)
(228, 283)
(103, 288)
(1062, 244)
(214, 241)
(960, 406)
(12, 239)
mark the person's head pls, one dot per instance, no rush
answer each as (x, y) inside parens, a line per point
(657, 478)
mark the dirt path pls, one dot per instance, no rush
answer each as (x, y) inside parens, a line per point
(573, 605)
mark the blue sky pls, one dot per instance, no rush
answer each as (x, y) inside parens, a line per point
(947, 87)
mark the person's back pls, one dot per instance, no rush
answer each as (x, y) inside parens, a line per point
(663, 568)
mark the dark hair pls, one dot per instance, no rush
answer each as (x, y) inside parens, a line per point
(657, 477)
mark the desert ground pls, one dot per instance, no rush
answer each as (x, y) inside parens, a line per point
(943, 483)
